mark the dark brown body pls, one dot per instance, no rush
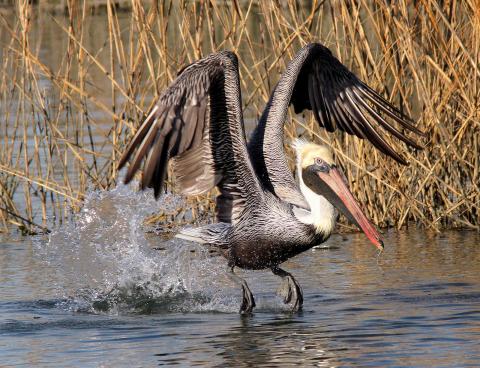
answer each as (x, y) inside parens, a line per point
(260, 242)
(262, 255)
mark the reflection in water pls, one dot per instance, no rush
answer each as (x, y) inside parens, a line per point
(97, 294)
(281, 340)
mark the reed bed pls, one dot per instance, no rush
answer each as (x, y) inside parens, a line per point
(65, 119)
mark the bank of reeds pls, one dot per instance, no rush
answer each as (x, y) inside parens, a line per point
(64, 123)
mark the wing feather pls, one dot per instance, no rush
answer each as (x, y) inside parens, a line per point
(142, 151)
(375, 138)
(344, 119)
(383, 123)
(153, 161)
(312, 91)
(347, 111)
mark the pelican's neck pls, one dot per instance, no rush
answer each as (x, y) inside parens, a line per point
(322, 214)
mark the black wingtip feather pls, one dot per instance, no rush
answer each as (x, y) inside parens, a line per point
(313, 102)
(383, 123)
(389, 109)
(374, 137)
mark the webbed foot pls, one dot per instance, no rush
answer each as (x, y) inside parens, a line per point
(290, 290)
(248, 301)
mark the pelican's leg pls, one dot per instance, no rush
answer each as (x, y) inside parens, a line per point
(291, 290)
(248, 302)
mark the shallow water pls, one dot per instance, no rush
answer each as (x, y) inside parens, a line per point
(98, 293)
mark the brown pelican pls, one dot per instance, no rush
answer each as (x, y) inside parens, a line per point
(263, 216)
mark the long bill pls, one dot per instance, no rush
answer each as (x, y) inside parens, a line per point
(343, 199)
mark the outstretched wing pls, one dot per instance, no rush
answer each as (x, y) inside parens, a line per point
(317, 81)
(198, 123)
(339, 100)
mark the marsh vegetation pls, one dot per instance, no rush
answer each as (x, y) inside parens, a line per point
(74, 87)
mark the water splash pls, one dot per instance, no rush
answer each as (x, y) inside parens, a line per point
(106, 263)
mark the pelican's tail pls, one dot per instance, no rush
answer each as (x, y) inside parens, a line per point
(213, 234)
(191, 234)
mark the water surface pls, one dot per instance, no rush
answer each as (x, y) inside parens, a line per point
(103, 292)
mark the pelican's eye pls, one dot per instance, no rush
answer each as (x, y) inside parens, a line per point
(322, 165)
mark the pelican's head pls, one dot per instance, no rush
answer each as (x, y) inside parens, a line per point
(321, 181)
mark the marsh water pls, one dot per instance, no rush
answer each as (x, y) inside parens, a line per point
(104, 290)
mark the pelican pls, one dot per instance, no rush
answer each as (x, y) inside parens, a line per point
(264, 217)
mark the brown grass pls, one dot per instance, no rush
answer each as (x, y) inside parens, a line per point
(59, 140)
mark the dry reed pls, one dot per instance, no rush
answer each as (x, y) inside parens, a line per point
(63, 126)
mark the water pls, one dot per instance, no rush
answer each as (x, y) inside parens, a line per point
(105, 291)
